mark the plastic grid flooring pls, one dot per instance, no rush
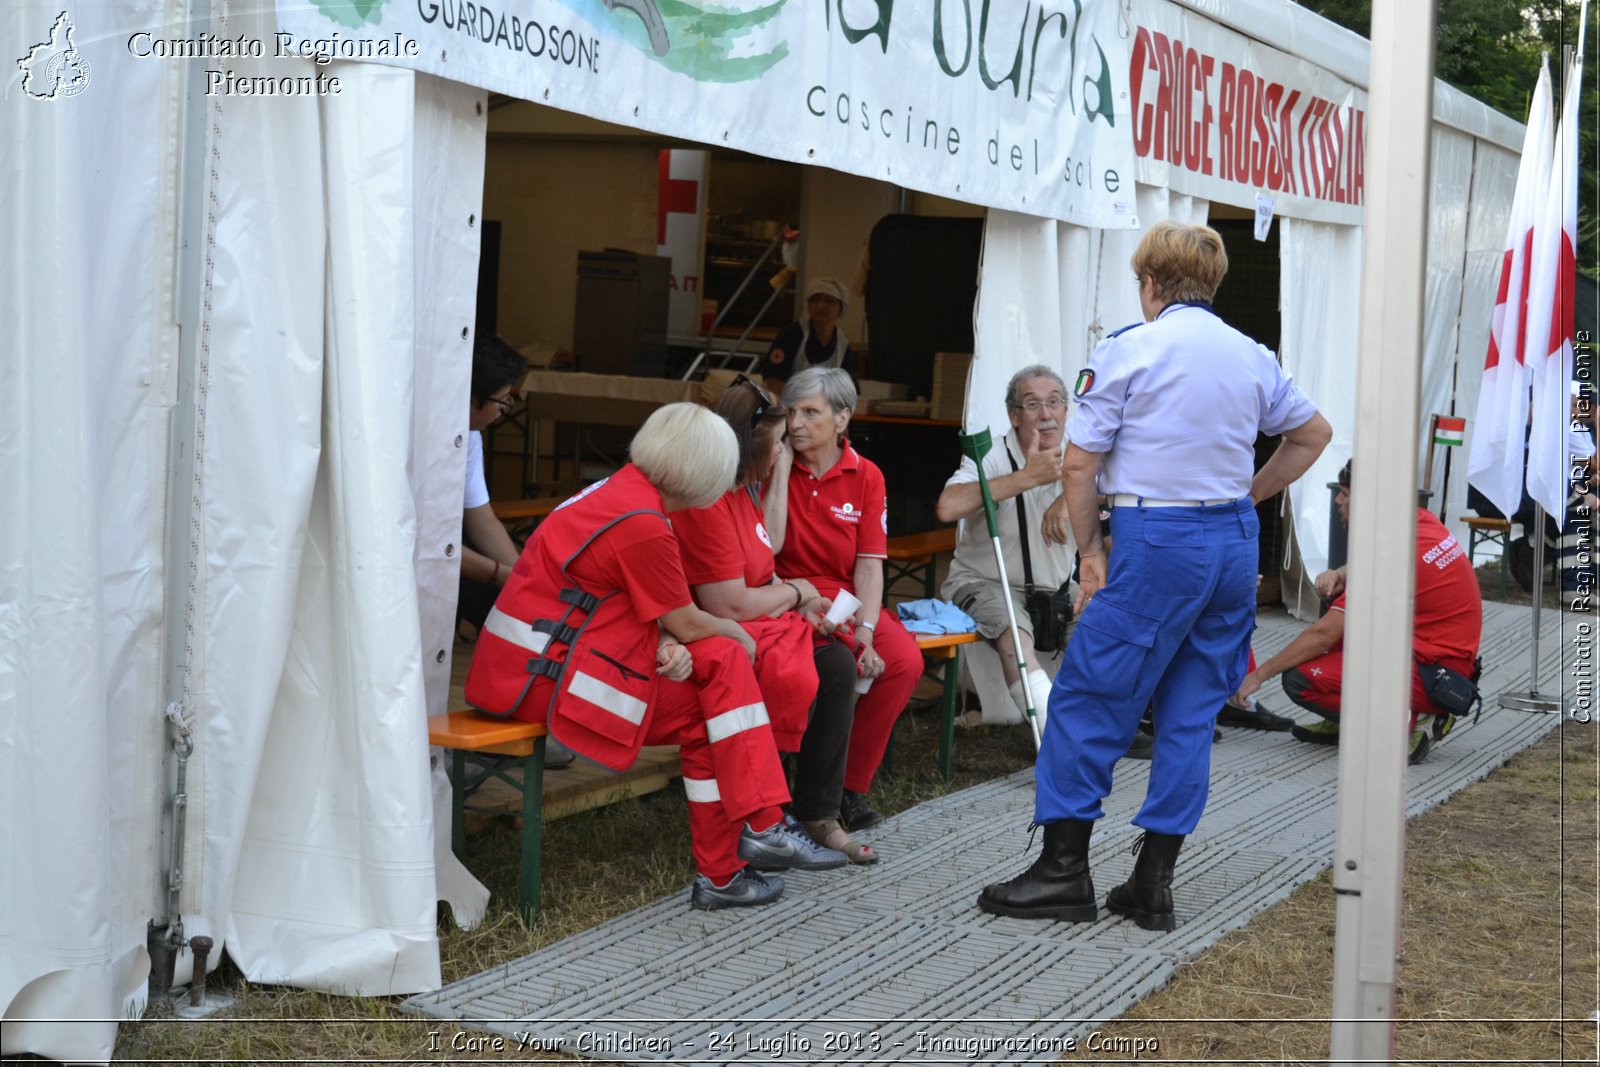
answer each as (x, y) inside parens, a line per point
(896, 964)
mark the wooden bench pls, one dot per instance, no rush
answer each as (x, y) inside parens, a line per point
(917, 556)
(538, 507)
(946, 649)
(1481, 530)
(484, 749)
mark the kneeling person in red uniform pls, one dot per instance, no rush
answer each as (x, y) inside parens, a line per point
(596, 634)
(1446, 627)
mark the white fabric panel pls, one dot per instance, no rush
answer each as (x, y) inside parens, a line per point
(1048, 292)
(85, 389)
(1447, 252)
(1320, 288)
(261, 418)
(1033, 307)
(335, 880)
(1494, 179)
(448, 157)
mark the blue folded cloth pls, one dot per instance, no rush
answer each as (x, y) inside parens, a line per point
(935, 617)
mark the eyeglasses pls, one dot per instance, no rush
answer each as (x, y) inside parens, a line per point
(504, 403)
(763, 401)
(1054, 402)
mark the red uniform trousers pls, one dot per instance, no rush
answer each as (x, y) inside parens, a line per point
(880, 706)
(730, 765)
(1317, 685)
(731, 771)
(786, 673)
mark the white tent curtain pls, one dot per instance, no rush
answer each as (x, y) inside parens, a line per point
(317, 574)
(1446, 264)
(1494, 178)
(85, 380)
(1049, 291)
(1319, 293)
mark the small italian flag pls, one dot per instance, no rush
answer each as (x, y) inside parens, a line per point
(1449, 432)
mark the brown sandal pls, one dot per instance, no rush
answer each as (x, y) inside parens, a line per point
(829, 833)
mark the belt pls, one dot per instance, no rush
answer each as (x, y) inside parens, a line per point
(1134, 500)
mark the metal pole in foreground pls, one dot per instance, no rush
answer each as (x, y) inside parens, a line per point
(1369, 848)
(1531, 700)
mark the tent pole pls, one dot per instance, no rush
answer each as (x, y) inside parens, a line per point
(165, 938)
(1370, 844)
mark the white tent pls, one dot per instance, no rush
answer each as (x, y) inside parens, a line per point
(249, 318)
(1051, 290)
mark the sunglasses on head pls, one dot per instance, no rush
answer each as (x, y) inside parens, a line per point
(763, 401)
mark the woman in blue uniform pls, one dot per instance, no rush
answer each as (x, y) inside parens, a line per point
(1165, 427)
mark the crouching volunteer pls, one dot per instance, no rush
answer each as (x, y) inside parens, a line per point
(596, 634)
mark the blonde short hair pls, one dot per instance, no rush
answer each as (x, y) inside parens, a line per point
(688, 452)
(1185, 262)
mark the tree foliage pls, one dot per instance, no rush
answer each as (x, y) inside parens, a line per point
(1490, 50)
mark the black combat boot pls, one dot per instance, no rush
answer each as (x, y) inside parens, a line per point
(1146, 898)
(1057, 886)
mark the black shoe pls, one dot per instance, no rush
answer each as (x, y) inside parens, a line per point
(1146, 897)
(855, 813)
(1144, 744)
(1321, 732)
(1057, 886)
(1257, 718)
(557, 755)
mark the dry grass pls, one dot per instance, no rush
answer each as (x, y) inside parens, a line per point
(600, 864)
(1499, 956)
(1500, 925)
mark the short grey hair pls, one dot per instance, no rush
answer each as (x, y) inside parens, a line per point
(834, 385)
(1036, 370)
(687, 451)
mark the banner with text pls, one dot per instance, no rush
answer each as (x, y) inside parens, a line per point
(1219, 116)
(1018, 104)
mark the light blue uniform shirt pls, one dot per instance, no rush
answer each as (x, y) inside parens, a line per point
(1176, 404)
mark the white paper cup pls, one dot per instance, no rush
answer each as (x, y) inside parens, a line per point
(844, 606)
(863, 684)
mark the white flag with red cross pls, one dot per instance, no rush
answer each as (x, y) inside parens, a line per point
(1552, 288)
(1494, 463)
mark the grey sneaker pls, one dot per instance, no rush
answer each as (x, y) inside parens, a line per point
(747, 889)
(557, 755)
(784, 846)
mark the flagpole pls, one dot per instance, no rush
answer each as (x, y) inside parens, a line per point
(1531, 700)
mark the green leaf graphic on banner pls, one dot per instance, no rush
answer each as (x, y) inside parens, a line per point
(706, 42)
(352, 13)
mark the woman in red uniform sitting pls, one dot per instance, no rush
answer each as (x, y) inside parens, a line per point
(595, 633)
(727, 557)
(829, 524)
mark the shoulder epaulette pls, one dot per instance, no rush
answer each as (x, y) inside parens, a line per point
(1125, 329)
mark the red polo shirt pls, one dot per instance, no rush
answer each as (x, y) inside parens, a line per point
(725, 541)
(1449, 605)
(833, 520)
